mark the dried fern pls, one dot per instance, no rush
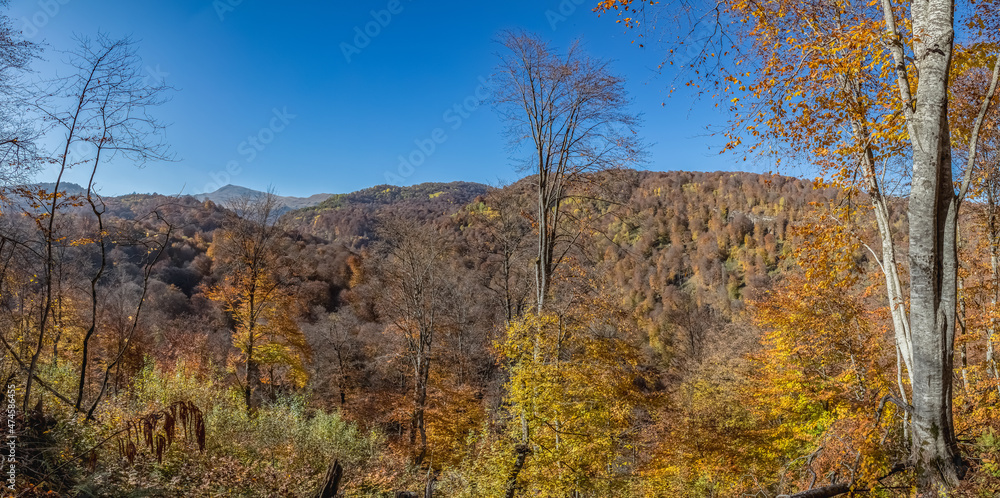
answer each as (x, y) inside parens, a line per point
(156, 431)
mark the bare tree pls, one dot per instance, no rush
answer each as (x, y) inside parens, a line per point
(414, 295)
(335, 351)
(507, 238)
(18, 154)
(572, 112)
(102, 111)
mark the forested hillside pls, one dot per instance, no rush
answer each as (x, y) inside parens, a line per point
(700, 312)
(669, 270)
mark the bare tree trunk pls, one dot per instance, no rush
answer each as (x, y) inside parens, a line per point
(960, 321)
(522, 453)
(933, 217)
(880, 207)
(99, 215)
(897, 305)
(414, 294)
(429, 488)
(342, 377)
(147, 272)
(252, 381)
(546, 240)
(418, 434)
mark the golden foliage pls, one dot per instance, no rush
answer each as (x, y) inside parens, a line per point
(572, 399)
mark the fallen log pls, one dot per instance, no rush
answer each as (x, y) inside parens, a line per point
(822, 492)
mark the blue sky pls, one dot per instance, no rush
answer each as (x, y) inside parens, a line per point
(323, 123)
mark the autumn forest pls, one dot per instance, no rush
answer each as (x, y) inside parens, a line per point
(596, 328)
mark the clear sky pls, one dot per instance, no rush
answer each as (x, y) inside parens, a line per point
(341, 120)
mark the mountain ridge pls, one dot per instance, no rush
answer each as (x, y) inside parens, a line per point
(377, 195)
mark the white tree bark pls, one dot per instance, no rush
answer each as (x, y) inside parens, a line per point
(933, 214)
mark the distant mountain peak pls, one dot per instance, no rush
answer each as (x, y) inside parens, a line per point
(67, 187)
(229, 192)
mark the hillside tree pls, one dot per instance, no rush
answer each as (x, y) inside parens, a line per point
(571, 114)
(254, 294)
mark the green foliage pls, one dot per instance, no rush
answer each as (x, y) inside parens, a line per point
(989, 445)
